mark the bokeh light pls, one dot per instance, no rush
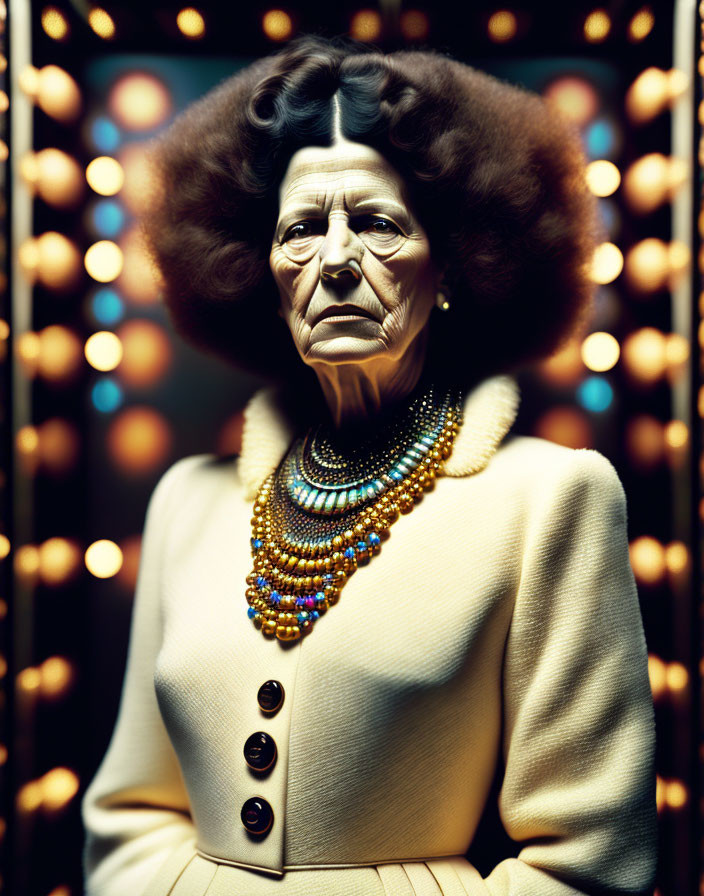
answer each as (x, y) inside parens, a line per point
(600, 351)
(603, 177)
(644, 355)
(645, 441)
(595, 394)
(58, 787)
(641, 24)
(574, 97)
(57, 94)
(59, 561)
(502, 26)
(107, 395)
(54, 175)
(103, 558)
(139, 101)
(103, 350)
(105, 175)
(108, 218)
(105, 134)
(365, 25)
(652, 92)
(601, 139)
(565, 425)
(564, 368)
(57, 675)
(58, 261)
(414, 25)
(59, 446)
(60, 356)
(277, 24)
(653, 265)
(146, 353)
(647, 557)
(103, 261)
(190, 23)
(652, 180)
(138, 187)
(597, 26)
(108, 307)
(101, 22)
(607, 263)
(139, 440)
(54, 23)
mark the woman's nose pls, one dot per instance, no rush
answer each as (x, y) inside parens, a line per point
(340, 253)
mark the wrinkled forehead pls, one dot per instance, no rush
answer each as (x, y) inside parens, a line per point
(318, 175)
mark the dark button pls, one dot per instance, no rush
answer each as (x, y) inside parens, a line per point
(257, 815)
(271, 695)
(260, 751)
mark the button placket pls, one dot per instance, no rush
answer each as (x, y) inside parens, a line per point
(260, 754)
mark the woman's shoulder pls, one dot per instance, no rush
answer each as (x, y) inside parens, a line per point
(194, 475)
(539, 466)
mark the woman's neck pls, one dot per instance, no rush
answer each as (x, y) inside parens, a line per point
(357, 393)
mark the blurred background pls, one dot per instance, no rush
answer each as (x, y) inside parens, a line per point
(98, 396)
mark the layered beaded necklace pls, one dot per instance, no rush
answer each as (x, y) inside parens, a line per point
(329, 505)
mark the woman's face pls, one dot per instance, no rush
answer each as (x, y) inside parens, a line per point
(351, 260)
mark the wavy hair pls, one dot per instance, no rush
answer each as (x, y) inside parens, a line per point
(495, 176)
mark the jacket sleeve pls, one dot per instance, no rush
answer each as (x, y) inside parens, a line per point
(578, 792)
(136, 809)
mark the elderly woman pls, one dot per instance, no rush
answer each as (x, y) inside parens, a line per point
(341, 636)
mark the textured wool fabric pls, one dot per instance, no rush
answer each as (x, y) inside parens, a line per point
(499, 622)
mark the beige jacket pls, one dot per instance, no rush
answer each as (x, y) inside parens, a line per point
(499, 622)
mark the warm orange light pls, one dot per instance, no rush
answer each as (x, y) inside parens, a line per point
(677, 557)
(676, 795)
(652, 180)
(600, 351)
(102, 23)
(139, 102)
(29, 81)
(57, 674)
(644, 354)
(54, 23)
(597, 26)
(103, 558)
(59, 445)
(565, 367)
(54, 175)
(652, 92)
(502, 26)
(641, 24)
(58, 94)
(59, 560)
(29, 797)
(105, 175)
(60, 353)
(139, 440)
(103, 261)
(365, 25)
(657, 673)
(566, 426)
(676, 434)
(103, 350)
(414, 25)
(58, 261)
(146, 353)
(58, 786)
(574, 97)
(603, 177)
(607, 263)
(190, 23)
(140, 280)
(139, 184)
(648, 560)
(277, 24)
(653, 265)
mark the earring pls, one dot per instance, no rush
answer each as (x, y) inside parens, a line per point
(442, 301)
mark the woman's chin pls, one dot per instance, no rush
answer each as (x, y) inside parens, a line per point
(345, 349)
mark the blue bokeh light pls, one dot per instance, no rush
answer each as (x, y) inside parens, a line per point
(600, 139)
(107, 395)
(108, 307)
(105, 134)
(108, 217)
(595, 394)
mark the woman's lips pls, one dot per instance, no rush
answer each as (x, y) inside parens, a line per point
(334, 314)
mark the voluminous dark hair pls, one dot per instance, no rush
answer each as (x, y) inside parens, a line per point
(495, 176)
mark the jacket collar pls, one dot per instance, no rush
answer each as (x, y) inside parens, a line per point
(490, 409)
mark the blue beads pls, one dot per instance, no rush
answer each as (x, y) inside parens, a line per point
(256, 543)
(261, 582)
(300, 601)
(275, 597)
(302, 616)
(314, 614)
(373, 539)
(252, 613)
(319, 597)
(349, 553)
(328, 577)
(361, 546)
(396, 474)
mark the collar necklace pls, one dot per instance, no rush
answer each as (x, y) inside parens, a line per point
(329, 505)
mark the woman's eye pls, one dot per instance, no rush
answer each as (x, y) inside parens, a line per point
(382, 226)
(298, 231)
